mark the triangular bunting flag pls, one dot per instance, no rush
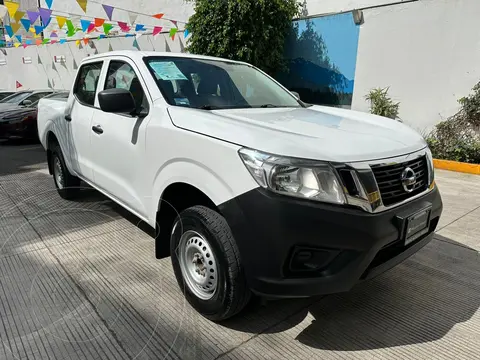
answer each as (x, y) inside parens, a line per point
(3, 13)
(99, 22)
(185, 33)
(17, 45)
(12, 7)
(91, 27)
(29, 42)
(9, 30)
(61, 21)
(77, 42)
(138, 35)
(45, 15)
(135, 44)
(110, 47)
(19, 15)
(26, 24)
(85, 24)
(15, 27)
(53, 42)
(19, 38)
(139, 27)
(174, 22)
(108, 10)
(45, 41)
(157, 30)
(158, 16)
(53, 34)
(38, 42)
(129, 35)
(24, 46)
(102, 36)
(75, 66)
(107, 28)
(173, 31)
(124, 26)
(86, 40)
(33, 16)
(133, 17)
(18, 85)
(38, 29)
(83, 5)
(71, 28)
(49, 3)
(63, 41)
(4, 51)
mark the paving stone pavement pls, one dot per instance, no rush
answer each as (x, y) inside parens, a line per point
(79, 280)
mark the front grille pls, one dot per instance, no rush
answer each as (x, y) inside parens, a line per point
(389, 180)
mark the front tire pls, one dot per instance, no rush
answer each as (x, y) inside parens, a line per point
(207, 265)
(67, 185)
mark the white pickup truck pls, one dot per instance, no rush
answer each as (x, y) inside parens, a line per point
(251, 190)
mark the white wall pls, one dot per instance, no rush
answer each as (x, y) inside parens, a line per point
(37, 74)
(427, 52)
(316, 7)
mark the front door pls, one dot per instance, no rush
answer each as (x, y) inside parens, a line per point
(79, 115)
(118, 140)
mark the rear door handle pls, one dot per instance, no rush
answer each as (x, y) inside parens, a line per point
(68, 118)
(97, 129)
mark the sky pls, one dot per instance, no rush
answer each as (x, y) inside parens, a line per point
(341, 38)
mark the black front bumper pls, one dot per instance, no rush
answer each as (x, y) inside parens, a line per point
(18, 130)
(297, 248)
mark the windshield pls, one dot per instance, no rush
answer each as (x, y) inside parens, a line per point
(16, 98)
(212, 84)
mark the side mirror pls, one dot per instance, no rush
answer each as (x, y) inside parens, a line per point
(27, 102)
(117, 101)
(296, 94)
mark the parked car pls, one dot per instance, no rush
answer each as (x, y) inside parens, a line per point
(4, 94)
(23, 98)
(21, 122)
(251, 190)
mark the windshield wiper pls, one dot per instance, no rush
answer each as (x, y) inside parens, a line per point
(209, 107)
(264, 106)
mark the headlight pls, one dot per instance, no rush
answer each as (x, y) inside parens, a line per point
(295, 177)
(431, 169)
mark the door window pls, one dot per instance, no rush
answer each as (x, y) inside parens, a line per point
(87, 81)
(122, 76)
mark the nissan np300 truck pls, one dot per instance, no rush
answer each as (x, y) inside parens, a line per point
(251, 190)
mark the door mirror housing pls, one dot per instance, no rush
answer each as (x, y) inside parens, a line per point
(27, 102)
(296, 94)
(117, 101)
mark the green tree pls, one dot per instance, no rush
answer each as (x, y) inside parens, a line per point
(248, 30)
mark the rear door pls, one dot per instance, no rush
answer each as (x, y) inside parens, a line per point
(80, 115)
(118, 141)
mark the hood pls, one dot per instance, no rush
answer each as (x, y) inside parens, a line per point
(317, 132)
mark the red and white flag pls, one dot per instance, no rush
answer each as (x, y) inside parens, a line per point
(18, 85)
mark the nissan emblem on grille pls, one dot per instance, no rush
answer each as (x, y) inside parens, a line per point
(409, 179)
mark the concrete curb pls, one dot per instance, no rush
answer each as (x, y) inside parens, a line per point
(457, 166)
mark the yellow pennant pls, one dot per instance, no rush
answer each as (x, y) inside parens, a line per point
(83, 5)
(18, 15)
(15, 27)
(32, 30)
(77, 42)
(17, 45)
(61, 21)
(12, 8)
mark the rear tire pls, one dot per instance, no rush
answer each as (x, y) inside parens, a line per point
(207, 265)
(68, 186)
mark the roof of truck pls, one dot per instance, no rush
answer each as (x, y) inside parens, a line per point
(139, 55)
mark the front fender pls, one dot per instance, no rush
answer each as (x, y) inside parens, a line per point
(216, 186)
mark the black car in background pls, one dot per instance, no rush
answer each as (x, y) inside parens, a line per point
(5, 94)
(20, 122)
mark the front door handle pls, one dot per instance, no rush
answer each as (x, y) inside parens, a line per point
(97, 129)
(68, 118)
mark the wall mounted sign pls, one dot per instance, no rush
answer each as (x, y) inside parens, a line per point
(27, 60)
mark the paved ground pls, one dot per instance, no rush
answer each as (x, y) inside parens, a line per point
(78, 280)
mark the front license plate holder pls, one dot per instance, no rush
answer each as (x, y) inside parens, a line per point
(417, 225)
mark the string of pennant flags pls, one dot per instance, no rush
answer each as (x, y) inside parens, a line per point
(66, 30)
